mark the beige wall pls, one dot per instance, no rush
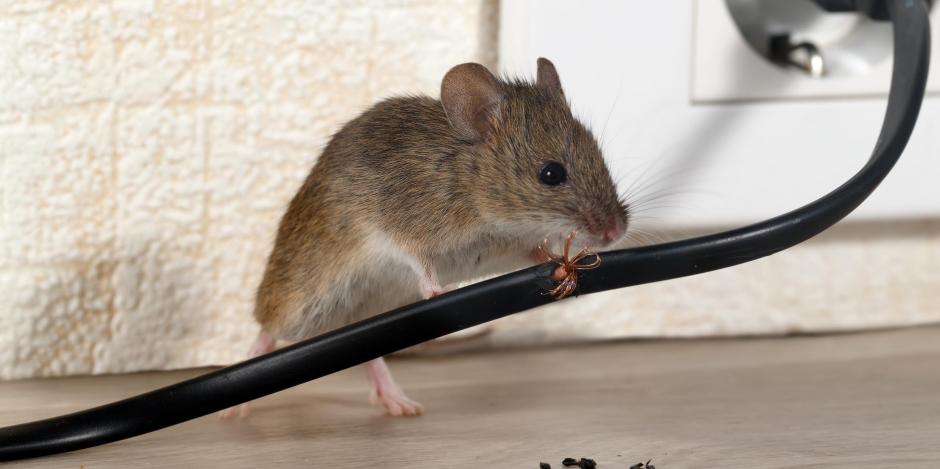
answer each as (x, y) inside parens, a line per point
(147, 151)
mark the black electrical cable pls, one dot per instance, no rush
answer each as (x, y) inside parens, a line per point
(485, 301)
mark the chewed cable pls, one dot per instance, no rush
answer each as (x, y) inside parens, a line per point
(512, 293)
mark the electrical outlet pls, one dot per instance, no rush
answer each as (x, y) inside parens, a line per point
(731, 41)
(763, 140)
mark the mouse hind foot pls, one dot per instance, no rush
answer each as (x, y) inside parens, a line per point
(241, 410)
(388, 393)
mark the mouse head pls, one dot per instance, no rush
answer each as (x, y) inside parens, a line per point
(536, 169)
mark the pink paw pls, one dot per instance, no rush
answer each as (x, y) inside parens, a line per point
(396, 403)
(441, 291)
(432, 291)
(538, 256)
(242, 410)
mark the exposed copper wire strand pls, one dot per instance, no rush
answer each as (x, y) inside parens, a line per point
(566, 274)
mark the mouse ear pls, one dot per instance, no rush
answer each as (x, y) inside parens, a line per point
(471, 95)
(547, 77)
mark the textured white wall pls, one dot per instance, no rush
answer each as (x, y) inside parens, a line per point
(147, 150)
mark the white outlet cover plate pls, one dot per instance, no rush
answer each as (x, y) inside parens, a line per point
(626, 66)
(725, 68)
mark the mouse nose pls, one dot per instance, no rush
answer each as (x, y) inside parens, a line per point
(613, 231)
(607, 231)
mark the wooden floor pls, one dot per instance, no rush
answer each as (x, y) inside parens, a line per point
(849, 401)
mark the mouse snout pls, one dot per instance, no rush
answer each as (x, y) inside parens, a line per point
(613, 231)
(605, 229)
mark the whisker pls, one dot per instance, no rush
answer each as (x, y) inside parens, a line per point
(654, 236)
(640, 178)
(657, 196)
(662, 202)
(603, 138)
(652, 181)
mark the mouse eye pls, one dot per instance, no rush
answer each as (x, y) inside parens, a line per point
(553, 173)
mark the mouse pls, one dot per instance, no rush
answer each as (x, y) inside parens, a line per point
(417, 194)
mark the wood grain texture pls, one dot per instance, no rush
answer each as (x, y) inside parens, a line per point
(849, 401)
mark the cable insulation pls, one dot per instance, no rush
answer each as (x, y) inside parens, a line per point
(512, 293)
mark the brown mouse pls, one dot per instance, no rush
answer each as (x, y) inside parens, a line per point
(416, 193)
